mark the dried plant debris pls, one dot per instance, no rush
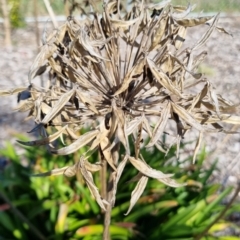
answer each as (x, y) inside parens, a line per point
(125, 75)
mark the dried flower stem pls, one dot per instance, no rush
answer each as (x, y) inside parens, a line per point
(35, 12)
(51, 13)
(103, 177)
(111, 192)
(107, 216)
(6, 23)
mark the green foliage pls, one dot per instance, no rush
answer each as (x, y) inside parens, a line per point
(213, 5)
(62, 208)
(16, 14)
(26, 8)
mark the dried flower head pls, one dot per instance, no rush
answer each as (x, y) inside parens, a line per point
(125, 75)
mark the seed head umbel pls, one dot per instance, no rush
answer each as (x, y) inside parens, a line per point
(126, 76)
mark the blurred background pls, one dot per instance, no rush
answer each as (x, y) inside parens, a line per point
(62, 209)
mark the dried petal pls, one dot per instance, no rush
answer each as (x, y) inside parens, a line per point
(137, 192)
(91, 185)
(147, 170)
(80, 142)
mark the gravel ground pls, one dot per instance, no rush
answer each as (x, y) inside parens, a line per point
(222, 68)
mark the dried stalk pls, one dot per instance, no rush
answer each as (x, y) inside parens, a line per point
(6, 23)
(107, 214)
(51, 13)
(111, 194)
(35, 7)
(66, 8)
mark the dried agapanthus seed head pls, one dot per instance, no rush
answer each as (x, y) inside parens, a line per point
(125, 75)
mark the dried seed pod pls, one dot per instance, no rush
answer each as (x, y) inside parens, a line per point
(124, 75)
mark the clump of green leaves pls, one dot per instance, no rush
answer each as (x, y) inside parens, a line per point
(16, 15)
(61, 208)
